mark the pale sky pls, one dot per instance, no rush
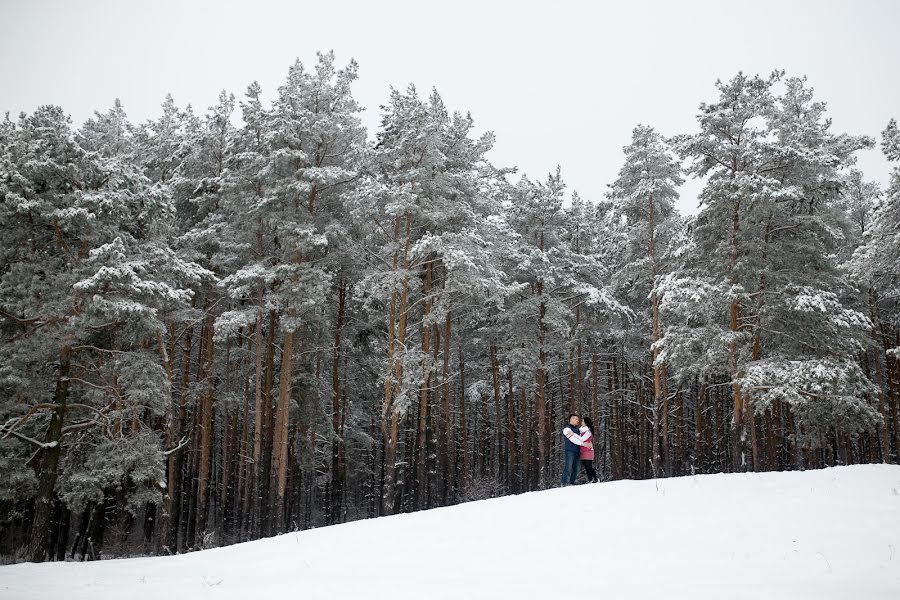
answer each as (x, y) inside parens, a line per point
(558, 82)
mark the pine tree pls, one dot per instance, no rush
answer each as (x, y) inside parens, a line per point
(646, 191)
(109, 240)
(876, 265)
(774, 175)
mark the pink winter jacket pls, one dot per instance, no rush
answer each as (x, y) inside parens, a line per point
(586, 452)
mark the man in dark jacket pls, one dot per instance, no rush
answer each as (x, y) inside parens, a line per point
(573, 445)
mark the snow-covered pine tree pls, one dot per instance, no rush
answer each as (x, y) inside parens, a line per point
(250, 274)
(198, 189)
(730, 150)
(563, 276)
(107, 234)
(318, 150)
(809, 324)
(161, 147)
(876, 266)
(765, 238)
(644, 196)
(433, 203)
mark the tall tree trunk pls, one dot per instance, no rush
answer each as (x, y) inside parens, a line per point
(337, 415)
(242, 492)
(699, 427)
(446, 415)
(756, 346)
(883, 427)
(738, 432)
(893, 375)
(484, 440)
(224, 488)
(540, 379)
(579, 371)
(206, 425)
(280, 434)
(497, 445)
(660, 395)
(513, 476)
(676, 469)
(572, 407)
(528, 439)
(49, 469)
(253, 480)
(463, 424)
(164, 521)
(396, 344)
(595, 379)
(612, 422)
(540, 391)
(264, 525)
(178, 501)
(421, 487)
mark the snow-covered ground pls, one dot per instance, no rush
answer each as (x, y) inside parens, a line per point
(833, 533)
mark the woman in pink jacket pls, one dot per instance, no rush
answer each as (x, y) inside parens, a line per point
(587, 449)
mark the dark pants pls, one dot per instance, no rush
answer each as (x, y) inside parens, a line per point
(570, 468)
(589, 470)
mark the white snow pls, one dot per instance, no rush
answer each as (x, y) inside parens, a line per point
(832, 533)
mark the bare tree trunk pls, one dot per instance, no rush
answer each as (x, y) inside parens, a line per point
(49, 470)
(496, 448)
(615, 409)
(514, 479)
(540, 391)
(164, 520)
(718, 426)
(893, 375)
(463, 424)
(679, 435)
(572, 407)
(644, 459)
(280, 434)
(206, 424)
(224, 489)
(699, 460)
(337, 415)
(738, 431)
(579, 371)
(884, 427)
(178, 500)
(769, 439)
(660, 395)
(391, 415)
(264, 514)
(592, 409)
(484, 440)
(242, 492)
(447, 425)
(528, 440)
(420, 491)
(252, 510)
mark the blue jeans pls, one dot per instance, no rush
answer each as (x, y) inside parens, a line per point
(570, 468)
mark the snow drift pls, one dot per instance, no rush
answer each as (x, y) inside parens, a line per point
(832, 533)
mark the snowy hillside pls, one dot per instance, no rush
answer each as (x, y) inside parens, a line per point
(833, 533)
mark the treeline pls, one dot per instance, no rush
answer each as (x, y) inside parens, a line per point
(224, 326)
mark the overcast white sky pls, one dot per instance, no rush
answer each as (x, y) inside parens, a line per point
(558, 82)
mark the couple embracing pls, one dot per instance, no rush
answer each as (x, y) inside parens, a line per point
(579, 435)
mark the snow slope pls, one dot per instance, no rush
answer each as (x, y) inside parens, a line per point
(833, 533)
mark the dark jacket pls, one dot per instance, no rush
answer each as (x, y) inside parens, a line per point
(570, 445)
